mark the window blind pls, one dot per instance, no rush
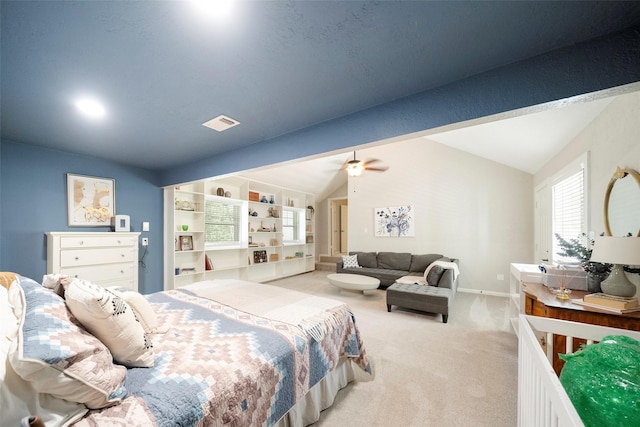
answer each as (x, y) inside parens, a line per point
(568, 210)
(221, 222)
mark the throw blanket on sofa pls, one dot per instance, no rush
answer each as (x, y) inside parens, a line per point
(422, 280)
(221, 366)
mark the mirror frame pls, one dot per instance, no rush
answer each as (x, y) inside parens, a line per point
(619, 173)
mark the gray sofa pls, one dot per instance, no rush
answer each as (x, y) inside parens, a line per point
(390, 266)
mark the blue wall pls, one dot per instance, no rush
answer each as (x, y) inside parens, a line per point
(34, 201)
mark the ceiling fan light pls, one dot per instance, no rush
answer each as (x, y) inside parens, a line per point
(354, 168)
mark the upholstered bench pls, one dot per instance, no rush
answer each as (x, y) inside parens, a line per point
(430, 299)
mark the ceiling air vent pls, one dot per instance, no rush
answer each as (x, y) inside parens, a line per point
(221, 123)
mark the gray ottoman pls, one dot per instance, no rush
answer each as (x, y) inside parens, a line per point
(430, 299)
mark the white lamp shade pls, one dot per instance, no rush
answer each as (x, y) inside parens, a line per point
(616, 250)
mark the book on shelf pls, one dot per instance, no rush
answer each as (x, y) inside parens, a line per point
(598, 307)
(611, 301)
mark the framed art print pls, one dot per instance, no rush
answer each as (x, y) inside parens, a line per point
(186, 243)
(394, 221)
(91, 201)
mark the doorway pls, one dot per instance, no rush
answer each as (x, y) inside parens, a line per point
(339, 226)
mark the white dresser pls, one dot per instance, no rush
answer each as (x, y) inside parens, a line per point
(104, 258)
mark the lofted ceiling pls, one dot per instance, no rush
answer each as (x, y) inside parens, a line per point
(525, 141)
(162, 69)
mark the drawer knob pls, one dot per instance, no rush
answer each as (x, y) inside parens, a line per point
(77, 258)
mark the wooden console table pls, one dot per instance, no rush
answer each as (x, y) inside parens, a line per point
(539, 301)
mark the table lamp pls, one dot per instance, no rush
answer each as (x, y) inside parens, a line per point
(618, 251)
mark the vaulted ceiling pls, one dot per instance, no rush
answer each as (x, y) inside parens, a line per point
(162, 69)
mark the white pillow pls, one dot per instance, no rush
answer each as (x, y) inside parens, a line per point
(141, 307)
(111, 320)
(350, 261)
(56, 357)
(54, 283)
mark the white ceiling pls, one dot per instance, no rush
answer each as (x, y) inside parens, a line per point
(525, 142)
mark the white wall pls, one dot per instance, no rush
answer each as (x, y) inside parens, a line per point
(613, 139)
(466, 207)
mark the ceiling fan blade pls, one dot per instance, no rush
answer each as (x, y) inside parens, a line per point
(380, 169)
(372, 161)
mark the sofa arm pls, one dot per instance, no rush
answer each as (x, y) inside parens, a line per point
(447, 281)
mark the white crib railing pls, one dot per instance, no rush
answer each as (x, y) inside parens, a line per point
(542, 400)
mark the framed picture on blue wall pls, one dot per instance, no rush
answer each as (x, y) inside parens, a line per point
(91, 201)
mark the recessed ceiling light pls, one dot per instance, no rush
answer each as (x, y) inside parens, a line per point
(221, 123)
(213, 8)
(90, 107)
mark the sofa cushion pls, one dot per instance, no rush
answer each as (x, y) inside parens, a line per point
(366, 259)
(419, 263)
(350, 261)
(394, 260)
(434, 275)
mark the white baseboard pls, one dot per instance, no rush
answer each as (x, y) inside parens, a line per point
(480, 291)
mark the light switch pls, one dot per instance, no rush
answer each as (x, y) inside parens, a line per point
(145, 226)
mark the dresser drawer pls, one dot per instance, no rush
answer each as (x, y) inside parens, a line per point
(121, 272)
(78, 257)
(97, 241)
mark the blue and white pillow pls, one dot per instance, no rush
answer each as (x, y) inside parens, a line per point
(350, 261)
(57, 355)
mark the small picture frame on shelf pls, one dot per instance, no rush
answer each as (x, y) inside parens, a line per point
(309, 239)
(259, 257)
(186, 243)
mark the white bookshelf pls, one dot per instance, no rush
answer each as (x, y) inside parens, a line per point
(262, 223)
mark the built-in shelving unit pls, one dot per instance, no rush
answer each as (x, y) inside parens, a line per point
(271, 231)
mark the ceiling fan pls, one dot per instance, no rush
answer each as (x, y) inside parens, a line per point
(355, 167)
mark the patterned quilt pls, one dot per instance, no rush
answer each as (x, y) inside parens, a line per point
(220, 366)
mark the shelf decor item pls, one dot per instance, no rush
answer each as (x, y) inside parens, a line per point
(253, 196)
(259, 257)
(91, 201)
(186, 243)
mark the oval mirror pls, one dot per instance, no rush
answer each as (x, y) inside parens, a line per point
(622, 204)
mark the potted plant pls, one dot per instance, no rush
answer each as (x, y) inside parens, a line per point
(596, 271)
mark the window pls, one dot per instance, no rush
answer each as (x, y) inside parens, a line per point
(569, 213)
(223, 224)
(292, 220)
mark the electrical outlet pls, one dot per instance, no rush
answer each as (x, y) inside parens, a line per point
(145, 241)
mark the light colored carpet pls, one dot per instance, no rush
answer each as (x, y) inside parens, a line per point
(427, 373)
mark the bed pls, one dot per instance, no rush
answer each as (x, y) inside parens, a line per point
(221, 352)
(542, 400)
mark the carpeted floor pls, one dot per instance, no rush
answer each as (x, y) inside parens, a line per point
(463, 373)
